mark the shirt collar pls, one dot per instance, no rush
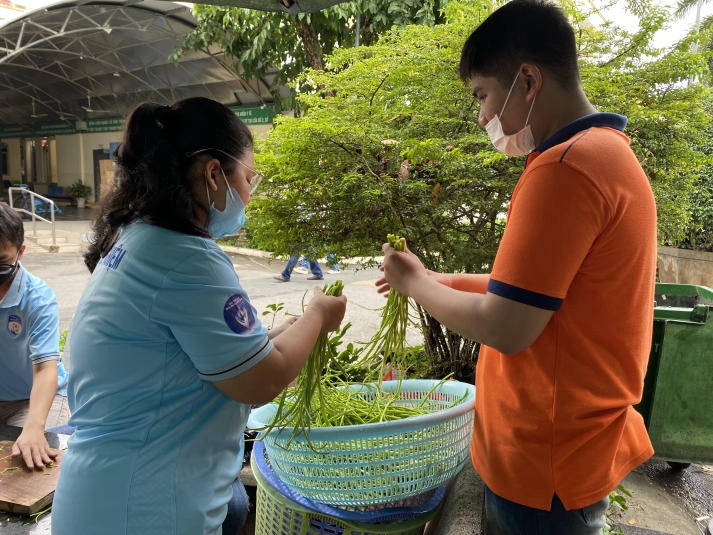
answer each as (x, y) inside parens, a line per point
(612, 120)
(14, 292)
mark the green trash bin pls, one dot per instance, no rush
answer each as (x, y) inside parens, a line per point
(678, 389)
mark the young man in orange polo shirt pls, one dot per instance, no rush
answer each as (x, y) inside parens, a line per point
(565, 317)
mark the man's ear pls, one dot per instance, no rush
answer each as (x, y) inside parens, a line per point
(22, 251)
(532, 75)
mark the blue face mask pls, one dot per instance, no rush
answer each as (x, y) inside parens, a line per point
(230, 220)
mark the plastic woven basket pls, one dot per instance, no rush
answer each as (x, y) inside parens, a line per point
(276, 514)
(382, 462)
(402, 510)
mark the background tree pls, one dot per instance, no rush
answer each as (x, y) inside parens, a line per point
(698, 234)
(661, 93)
(258, 42)
(392, 145)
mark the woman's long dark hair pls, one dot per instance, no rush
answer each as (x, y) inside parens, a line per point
(152, 180)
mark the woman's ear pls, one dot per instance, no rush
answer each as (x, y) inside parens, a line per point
(211, 172)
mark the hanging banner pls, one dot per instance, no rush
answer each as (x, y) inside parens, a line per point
(108, 124)
(254, 116)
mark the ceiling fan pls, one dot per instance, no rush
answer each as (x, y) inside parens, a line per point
(64, 115)
(88, 108)
(34, 114)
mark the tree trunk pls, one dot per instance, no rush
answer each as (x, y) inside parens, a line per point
(310, 42)
(448, 352)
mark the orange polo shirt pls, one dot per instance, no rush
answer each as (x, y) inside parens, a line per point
(580, 239)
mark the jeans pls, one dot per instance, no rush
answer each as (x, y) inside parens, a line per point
(292, 262)
(503, 517)
(237, 510)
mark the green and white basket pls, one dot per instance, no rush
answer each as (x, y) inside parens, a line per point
(370, 464)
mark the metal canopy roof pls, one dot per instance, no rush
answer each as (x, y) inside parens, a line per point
(80, 60)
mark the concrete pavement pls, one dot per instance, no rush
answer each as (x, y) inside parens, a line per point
(663, 501)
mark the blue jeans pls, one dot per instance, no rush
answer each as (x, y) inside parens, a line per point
(292, 262)
(331, 261)
(503, 517)
(237, 510)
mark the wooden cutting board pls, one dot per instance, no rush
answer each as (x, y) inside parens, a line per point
(25, 491)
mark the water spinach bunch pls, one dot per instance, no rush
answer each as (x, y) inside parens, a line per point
(321, 398)
(297, 405)
(388, 345)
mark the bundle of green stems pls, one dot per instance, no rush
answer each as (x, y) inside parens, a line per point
(388, 345)
(320, 398)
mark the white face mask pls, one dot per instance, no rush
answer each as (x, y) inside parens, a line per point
(517, 144)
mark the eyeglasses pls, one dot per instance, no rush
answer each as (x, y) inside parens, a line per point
(6, 269)
(253, 182)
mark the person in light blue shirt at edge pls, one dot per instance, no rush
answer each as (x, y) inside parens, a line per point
(168, 353)
(32, 379)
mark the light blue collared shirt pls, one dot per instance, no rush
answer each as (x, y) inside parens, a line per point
(29, 334)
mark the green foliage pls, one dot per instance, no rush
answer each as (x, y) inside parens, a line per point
(699, 231)
(668, 110)
(400, 97)
(617, 498)
(272, 310)
(278, 47)
(79, 190)
(390, 144)
(417, 364)
(342, 361)
(63, 340)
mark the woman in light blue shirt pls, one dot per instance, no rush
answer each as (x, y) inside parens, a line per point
(167, 351)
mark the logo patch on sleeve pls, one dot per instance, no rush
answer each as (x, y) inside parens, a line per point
(238, 314)
(14, 324)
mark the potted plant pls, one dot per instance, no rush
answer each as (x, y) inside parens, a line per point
(80, 192)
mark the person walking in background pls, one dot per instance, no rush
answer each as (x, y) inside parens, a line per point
(566, 315)
(313, 267)
(168, 353)
(33, 381)
(309, 264)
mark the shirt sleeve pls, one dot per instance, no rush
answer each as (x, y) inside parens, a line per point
(43, 343)
(211, 317)
(555, 217)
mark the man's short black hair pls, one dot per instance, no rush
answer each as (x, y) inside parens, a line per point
(522, 31)
(11, 228)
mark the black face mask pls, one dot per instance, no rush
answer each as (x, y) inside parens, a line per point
(7, 271)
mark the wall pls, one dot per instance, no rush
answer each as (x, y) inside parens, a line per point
(681, 266)
(75, 156)
(69, 162)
